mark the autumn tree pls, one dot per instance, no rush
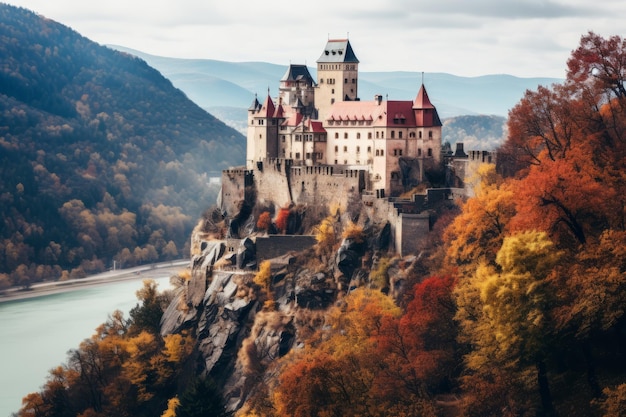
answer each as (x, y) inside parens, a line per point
(512, 330)
(337, 374)
(264, 222)
(419, 349)
(263, 278)
(477, 233)
(282, 219)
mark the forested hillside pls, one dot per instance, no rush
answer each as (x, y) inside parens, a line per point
(101, 158)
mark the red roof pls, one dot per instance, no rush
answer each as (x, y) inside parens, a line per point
(422, 101)
(268, 108)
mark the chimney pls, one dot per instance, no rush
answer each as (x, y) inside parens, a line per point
(378, 98)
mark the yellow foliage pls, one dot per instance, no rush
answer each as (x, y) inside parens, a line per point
(178, 346)
(354, 232)
(263, 278)
(172, 403)
(379, 276)
(325, 235)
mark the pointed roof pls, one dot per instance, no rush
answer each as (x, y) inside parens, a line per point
(280, 112)
(268, 108)
(422, 101)
(425, 113)
(337, 51)
(255, 104)
(297, 72)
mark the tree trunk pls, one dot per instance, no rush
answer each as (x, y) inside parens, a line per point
(544, 388)
(592, 379)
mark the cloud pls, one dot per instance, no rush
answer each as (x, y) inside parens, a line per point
(463, 37)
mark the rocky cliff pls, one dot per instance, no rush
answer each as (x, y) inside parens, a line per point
(243, 327)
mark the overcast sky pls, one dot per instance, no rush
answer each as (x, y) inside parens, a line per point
(526, 38)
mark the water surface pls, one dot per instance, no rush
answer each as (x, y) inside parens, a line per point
(37, 333)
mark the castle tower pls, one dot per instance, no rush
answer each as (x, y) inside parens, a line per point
(262, 137)
(428, 143)
(297, 90)
(337, 76)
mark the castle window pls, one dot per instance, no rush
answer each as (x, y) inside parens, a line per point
(283, 151)
(420, 135)
(377, 152)
(345, 149)
(332, 91)
(411, 134)
(321, 81)
(336, 135)
(400, 152)
(369, 135)
(369, 149)
(358, 149)
(358, 135)
(353, 81)
(332, 101)
(297, 155)
(377, 135)
(382, 135)
(282, 138)
(345, 162)
(430, 134)
(419, 152)
(345, 135)
(430, 152)
(393, 134)
(336, 162)
(382, 152)
(345, 81)
(400, 135)
(336, 148)
(308, 155)
(261, 122)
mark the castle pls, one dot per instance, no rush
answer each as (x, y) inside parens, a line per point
(319, 145)
(326, 123)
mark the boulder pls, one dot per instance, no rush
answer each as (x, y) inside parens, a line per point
(314, 291)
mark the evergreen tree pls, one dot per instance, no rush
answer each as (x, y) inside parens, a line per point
(201, 399)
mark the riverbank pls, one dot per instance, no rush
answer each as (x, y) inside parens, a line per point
(141, 272)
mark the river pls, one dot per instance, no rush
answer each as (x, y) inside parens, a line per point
(36, 333)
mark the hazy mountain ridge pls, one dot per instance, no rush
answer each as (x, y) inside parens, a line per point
(226, 90)
(453, 95)
(102, 157)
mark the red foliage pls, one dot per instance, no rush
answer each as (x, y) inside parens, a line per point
(282, 219)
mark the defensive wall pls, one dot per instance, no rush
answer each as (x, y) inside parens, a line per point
(279, 182)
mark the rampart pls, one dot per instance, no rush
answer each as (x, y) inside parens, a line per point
(279, 182)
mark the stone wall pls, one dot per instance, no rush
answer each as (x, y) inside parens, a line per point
(277, 182)
(234, 183)
(273, 246)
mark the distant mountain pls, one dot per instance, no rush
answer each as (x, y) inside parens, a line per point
(476, 132)
(226, 89)
(212, 83)
(101, 157)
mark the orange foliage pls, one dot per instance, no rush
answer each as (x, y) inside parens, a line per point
(264, 222)
(282, 219)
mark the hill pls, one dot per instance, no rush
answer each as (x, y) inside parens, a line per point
(101, 157)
